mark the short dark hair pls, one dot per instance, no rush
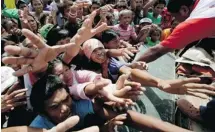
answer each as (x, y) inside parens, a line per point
(62, 6)
(160, 2)
(108, 35)
(43, 89)
(56, 34)
(175, 5)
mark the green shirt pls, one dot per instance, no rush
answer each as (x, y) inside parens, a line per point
(150, 43)
(154, 20)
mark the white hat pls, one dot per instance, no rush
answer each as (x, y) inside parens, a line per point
(145, 20)
(7, 78)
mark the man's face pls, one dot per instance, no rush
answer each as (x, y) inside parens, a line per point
(159, 8)
(139, 4)
(37, 5)
(58, 107)
(183, 14)
(94, 7)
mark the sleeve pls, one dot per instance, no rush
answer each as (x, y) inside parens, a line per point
(11, 13)
(78, 90)
(190, 31)
(83, 76)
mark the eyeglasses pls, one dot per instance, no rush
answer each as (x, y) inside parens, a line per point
(123, 7)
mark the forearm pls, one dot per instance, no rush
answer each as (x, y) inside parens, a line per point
(153, 53)
(144, 122)
(114, 52)
(23, 129)
(144, 78)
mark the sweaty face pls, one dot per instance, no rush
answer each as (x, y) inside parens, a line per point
(125, 19)
(63, 72)
(58, 107)
(37, 5)
(159, 8)
(32, 23)
(99, 55)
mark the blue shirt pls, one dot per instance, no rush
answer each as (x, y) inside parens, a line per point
(113, 69)
(79, 107)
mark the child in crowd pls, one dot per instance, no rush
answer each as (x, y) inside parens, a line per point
(154, 36)
(126, 31)
(155, 16)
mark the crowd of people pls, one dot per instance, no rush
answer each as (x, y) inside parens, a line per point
(72, 65)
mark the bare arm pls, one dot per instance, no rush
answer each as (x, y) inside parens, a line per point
(147, 5)
(153, 53)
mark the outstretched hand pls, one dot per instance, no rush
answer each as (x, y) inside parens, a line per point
(191, 86)
(69, 123)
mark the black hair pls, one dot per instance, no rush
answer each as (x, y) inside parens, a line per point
(52, 64)
(43, 89)
(160, 2)
(96, 2)
(31, 1)
(109, 35)
(56, 34)
(175, 5)
(19, 3)
(62, 6)
(43, 19)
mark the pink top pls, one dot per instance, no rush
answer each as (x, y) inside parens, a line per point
(81, 79)
(125, 35)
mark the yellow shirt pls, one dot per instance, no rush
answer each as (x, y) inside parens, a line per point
(10, 4)
(165, 33)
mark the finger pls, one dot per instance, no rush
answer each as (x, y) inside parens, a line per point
(111, 97)
(90, 129)
(67, 124)
(123, 91)
(132, 84)
(121, 81)
(21, 51)
(200, 95)
(199, 86)
(136, 93)
(17, 98)
(91, 18)
(101, 84)
(13, 88)
(18, 104)
(34, 38)
(190, 80)
(205, 91)
(118, 122)
(101, 28)
(23, 71)
(126, 55)
(129, 52)
(14, 93)
(17, 60)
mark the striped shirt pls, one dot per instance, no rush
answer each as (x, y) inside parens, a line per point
(127, 34)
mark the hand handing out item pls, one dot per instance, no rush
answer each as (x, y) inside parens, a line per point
(37, 60)
(13, 98)
(139, 65)
(190, 86)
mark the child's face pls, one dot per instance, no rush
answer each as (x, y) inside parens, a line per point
(126, 19)
(155, 36)
(139, 4)
(37, 5)
(159, 8)
(63, 72)
(99, 55)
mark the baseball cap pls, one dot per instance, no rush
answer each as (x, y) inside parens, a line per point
(44, 30)
(145, 20)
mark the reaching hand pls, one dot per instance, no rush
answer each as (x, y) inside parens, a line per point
(190, 87)
(23, 16)
(127, 52)
(118, 120)
(69, 123)
(139, 65)
(12, 98)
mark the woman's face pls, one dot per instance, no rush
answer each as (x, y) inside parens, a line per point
(37, 5)
(99, 55)
(32, 23)
(63, 72)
